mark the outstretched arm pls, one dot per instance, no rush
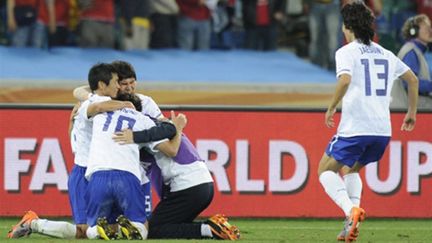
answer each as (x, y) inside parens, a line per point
(162, 130)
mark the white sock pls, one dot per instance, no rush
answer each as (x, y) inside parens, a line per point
(335, 188)
(59, 229)
(142, 229)
(206, 230)
(92, 233)
(354, 186)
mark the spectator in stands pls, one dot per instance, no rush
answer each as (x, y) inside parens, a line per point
(260, 18)
(136, 18)
(52, 21)
(193, 30)
(324, 26)
(418, 33)
(21, 22)
(61, 36)
(164, 20)
(96, 23)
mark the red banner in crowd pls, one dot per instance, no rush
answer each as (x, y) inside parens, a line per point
(264, 164)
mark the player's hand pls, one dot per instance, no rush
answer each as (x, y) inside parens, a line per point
(179, 121)
(329, 120)
(124, 137)
(128, 104)
(409, 122)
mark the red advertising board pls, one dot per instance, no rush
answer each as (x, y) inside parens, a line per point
(264, 163)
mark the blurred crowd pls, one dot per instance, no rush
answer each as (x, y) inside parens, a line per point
(310, 27)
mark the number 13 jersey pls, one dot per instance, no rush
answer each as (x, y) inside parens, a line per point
(365, 106)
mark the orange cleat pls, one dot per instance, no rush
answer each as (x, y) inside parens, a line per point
(221, 229)
(23, 228)
(357, 215)
(341, 236)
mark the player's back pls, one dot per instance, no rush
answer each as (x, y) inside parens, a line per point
(365, 106)
(105, 154)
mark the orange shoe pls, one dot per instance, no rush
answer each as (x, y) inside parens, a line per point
(221, 229)
(357, 215)
(341, 236)
(23, 227)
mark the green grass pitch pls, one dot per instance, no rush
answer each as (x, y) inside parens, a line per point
(291, 230)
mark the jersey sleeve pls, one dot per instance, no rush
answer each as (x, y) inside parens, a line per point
(400, 67)
(344, 62)
(93, 99)
(82, 111)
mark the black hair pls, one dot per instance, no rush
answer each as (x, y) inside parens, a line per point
(124, 70)
(358, 18)
(136, 101)
(100, 72)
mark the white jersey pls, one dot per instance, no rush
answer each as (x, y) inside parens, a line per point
(105, 154)
(82, 131)
(149, 107)
(365, 106)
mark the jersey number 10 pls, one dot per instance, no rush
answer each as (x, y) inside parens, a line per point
(120, 120)
(381, 76)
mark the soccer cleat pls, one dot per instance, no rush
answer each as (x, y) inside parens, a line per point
(128, 230)
(104, 230)
(357, 215)
(344, 231)
(23, 228)
(221, 229)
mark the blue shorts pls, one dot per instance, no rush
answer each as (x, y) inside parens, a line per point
(364, 149)
(77, 187)
(114, 192)
(147, 198)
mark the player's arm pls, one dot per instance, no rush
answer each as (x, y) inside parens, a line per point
(109, 105)
(162, 130)
(171, 147)
(72, 116)
(341, 87)
(413, 87)
(82, 93)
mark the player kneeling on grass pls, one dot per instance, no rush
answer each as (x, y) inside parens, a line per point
(185, 188)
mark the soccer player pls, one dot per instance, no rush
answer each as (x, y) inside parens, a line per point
(80, 132)
(366, 72)
(185, 188)
(115, 177)
(127, 82)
